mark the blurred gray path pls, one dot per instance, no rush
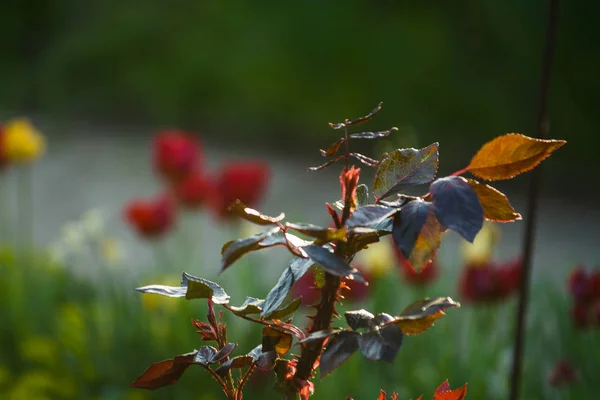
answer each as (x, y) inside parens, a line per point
(99, 171)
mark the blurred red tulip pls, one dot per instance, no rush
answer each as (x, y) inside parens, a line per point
(244, 181)
(421, 278)
(176, 154)
(580, 314)
(584, 289)
(578, 283)
(563, 374)
(490, 283)
(194, 190)
(151, 218)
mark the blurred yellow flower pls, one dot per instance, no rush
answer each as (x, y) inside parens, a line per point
(480, 251)
(110, 250)
(21, 142)
(378, 259)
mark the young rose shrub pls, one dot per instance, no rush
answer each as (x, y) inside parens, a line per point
(175, 155)
(151, 218)
(416, 224)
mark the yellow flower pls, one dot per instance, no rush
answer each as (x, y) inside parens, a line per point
(378, 259)
(21, 142)
(480, 251)
(110, 250)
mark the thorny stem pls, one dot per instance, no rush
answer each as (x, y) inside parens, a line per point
(238, 393)
(528, 240)
(228, 392)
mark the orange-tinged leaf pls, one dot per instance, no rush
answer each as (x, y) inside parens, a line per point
(496, 206)
(274, 339)
(509, 155)
(239, 209)
(444, 392)
(420, 315)
(164, 373)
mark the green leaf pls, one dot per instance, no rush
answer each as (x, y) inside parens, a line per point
(367, 216)
(331, 263)
(381, 344)
(362, 195)
(496, 206)
(283, 312)
(164, 373)
(358, 319)
(294, 271)
(509, 155)
(357, 121)
(417, 233)
(373, 135)
(319, 232)
(205, 356)
(339, 349)
(239, 209)
(331, 150)
(420, 315)
(457, 206)
(251, 306)
(234, 250)
(404, 168)
(192, 287)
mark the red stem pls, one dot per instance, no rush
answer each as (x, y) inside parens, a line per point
(460, 172)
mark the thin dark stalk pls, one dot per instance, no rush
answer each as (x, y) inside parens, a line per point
(532, 206)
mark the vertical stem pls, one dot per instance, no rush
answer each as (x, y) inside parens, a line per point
(528, 240)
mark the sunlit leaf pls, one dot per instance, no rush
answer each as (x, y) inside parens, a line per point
(358, 319)
(496, 206)
(359, 120)
(319, 232)
(420, 315)
(327, 164)
(373, 135)
(457, 206)
(234, 250)
(286, 310)
(368, 161)
(381, 344)
(320, 335)
(251, 306)
(331, 263)
(444, 392)
(369, 215)
(362, 195)
(292, 273)
(239, 209)
(404, 168)
(509, 155)
(164, 373)
(331, 150)
(276, 340)
(224, 352)
(234, 363)
(417, 233)
(192, 287)
(359, 238)
(205, 356)
(319, 277)
(338, 350)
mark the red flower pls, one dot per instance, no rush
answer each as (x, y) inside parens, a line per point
(194, 190)
(490, 283)
(584, 288)
(563, 374)
(176, 154)
(244, 181)
(151, 218)
(424, 277)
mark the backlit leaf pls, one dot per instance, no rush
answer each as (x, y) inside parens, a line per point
(420, 315)
(358, 319)
(457, 206)
(362, 195)
(359, 238)
(444, 392)
(192, 287)
(251, 306)
(234, 363)
(367, 216)
(509, 155)
(359, 120)
(368, 161)
(234, 250)
(276, 340)
(319, 232)
(224, 352)
(338, 350)
(417, 233)
(331, 263)
(496, 206)
(283, 312)
(294, 271)
(164, 373)
(205, 356)
(327, 164)
(404, 168)
(239, 209)
(331, 150)
(266, 360)
(373, 135)
(381, 344)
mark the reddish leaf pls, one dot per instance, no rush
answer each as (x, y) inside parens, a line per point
(496, 206)
(327, 164)
(509, 155)
(444, 392)
(164, 373)
(239, 209)
(359, 120)
(368, 161)
(331, 150)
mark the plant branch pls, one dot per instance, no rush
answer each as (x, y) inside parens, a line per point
(528, 240)
(238, 394)
(226, 389)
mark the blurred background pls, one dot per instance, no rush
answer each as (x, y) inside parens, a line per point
(259, 83)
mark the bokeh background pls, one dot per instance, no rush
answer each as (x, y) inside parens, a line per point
(261, 81)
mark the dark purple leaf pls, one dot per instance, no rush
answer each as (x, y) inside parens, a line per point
(457, 206)
(338, 350)
(404, 168)
(331, 150)
(331, 263)
(368, 161)
(320, 335)
(359, 120)
(251, 306)
(234, 250)
(192, 287)
(373, 135)
(318, 232)
(370, 215)
(205, 356)
(224, 352)
(359, 238)
(234, 363)
(381, 344)
(239, 209)
(266, 360)
(327, 164)
(358, 319)
(294, 271)
(286, 310)
(164, 373)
